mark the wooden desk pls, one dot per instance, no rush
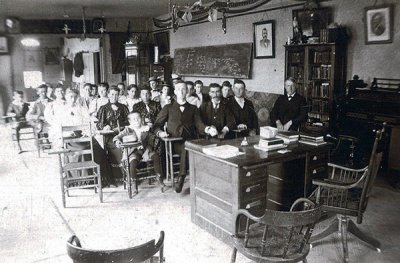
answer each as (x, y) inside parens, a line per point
(255, 180)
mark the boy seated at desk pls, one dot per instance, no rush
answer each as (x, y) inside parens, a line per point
(136, 132)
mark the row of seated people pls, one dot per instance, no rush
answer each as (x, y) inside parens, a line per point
(216, 116)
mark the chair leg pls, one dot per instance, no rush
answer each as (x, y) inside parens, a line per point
(332, 228)
(372, 242)
(233, 257)
(343, 230)
(99, 184)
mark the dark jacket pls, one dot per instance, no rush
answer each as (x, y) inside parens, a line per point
(247, 115)
(186, 124)
(107, 116)
(219, 118)
(285, 110)
(154, 107)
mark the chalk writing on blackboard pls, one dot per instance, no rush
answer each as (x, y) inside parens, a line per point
(232, 61)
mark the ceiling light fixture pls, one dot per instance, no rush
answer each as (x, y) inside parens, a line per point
(30, 42)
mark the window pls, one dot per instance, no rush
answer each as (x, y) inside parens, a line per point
(32, 79)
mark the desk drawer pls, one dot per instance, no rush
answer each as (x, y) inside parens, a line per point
(254, 189)
(318, 158)
(255, 206)
(250, 175)
(319, 172)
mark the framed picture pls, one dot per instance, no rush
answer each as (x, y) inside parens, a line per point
(162, 41)
(264, 39)
(3, 45)
(310, 22)
(51, 56)
(378, 21)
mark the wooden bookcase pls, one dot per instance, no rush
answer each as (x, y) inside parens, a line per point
(320, 71)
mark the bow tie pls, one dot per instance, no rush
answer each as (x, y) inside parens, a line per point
(182, 108)
(290, 97)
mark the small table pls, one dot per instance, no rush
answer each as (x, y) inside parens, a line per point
(170, 157)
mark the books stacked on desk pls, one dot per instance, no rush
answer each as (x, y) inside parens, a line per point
(310, 139)
(288, 136)
(270, 144)
(223, 151)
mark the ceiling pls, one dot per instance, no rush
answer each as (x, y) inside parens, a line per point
(71, 9)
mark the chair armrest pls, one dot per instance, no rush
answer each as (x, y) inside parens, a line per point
(58, 151)
(335, 184)
(248, 215)
(347, 168)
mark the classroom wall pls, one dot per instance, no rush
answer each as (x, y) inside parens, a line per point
(267, 75)
(367, 61)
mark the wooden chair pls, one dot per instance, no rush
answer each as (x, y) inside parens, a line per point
(346, 193)
(172, 159)
(140, 253)
(77, 167)
(277, 236)
(145, 170)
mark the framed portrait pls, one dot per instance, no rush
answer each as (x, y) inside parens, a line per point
(3, 45)
(264, 39)
(378, 24)
(310, 22)
(51, 56)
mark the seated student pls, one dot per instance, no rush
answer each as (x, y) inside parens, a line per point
(289, 110)
(215, 113)
(154, 89)
(175, 78)
(226, 91)
(183, 120)
(18, 110)
(132, 97)
(85, 95)
(122, 96)
(191, 96)
(36, 112)
(96, 103)
(166, 94)
(147, 108)
(139, 133)
(93, 92)
(113, 117)
(198, 87)
(243, 110)
(54, 108)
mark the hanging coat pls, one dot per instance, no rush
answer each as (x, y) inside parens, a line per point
(78, 64)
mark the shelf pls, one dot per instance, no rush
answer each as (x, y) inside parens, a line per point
(318, 112)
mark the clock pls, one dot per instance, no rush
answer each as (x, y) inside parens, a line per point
(12, 25)
(377, 24)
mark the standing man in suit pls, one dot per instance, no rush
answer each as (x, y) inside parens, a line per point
(183, 120)
(215, 113)
(243, 110)
(289, 110)
(203, 97)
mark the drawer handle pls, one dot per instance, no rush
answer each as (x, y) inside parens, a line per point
(253, 204)
(315, 158)
(248, 174)
(250, 188)
(317, 170)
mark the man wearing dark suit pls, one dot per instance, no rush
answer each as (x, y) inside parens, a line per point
(215, 113)
(147, 108)
(203, 97)
(289, 110)
(243, 110)
(183, 120)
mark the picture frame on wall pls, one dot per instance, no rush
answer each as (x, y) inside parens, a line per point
(378, 24)
(310, 22)
(162, 41)
(3, 45)
(264, 39)
(51, 56)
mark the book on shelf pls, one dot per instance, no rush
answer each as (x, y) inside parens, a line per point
(222, 151)
(313, 143)
(269, 148)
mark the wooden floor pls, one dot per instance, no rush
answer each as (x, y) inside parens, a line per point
(34, 226)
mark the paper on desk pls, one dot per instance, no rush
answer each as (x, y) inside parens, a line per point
(223, 151)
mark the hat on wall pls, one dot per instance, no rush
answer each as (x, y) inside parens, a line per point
(152, 79)
(175, 76)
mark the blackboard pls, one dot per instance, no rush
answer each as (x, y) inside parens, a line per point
(230, 61)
